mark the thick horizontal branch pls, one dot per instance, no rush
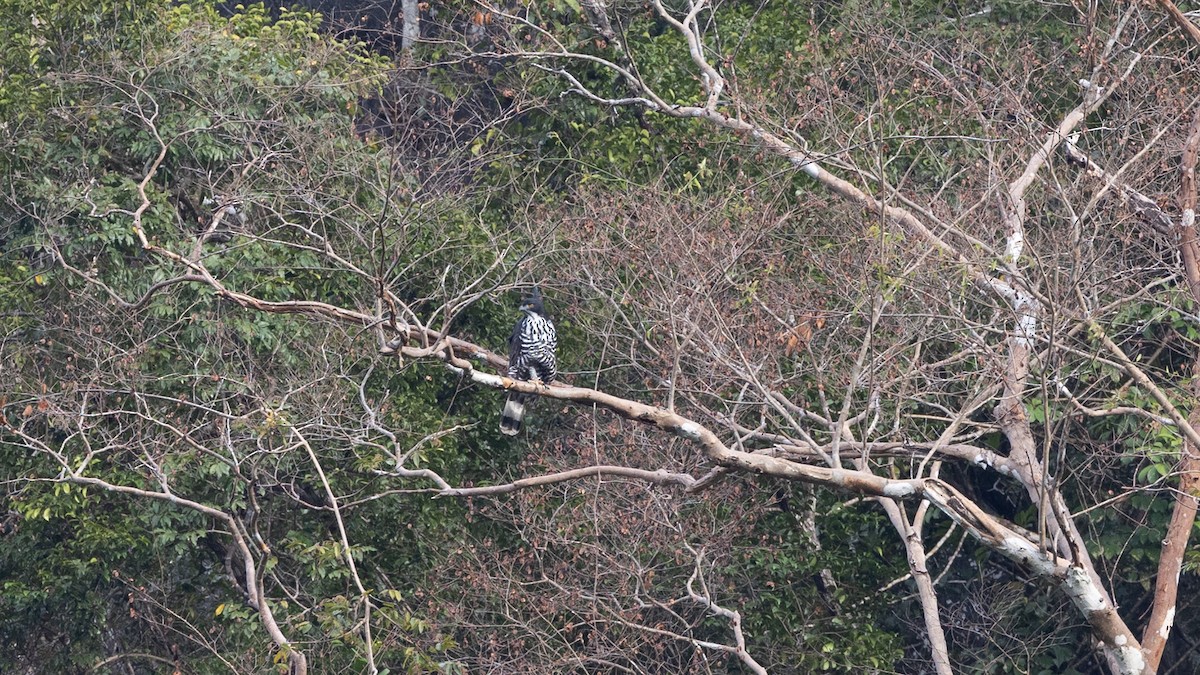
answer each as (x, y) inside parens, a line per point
(660, 477)
(981, 457)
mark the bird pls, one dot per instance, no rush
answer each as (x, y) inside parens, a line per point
(531, 357)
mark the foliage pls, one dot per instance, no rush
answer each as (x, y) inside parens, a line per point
(256, 116)
(686, 268)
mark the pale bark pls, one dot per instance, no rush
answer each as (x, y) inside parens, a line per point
(410, 32)
(914, 547)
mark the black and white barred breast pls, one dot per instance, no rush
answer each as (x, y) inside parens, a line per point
(531, 349)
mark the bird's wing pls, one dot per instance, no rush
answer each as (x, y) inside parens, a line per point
(514, 341)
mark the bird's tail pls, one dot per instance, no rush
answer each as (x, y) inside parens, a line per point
(514, 412)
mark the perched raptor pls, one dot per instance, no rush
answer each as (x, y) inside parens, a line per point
(530, 357)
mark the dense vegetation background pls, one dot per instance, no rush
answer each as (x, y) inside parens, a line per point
(894, 306)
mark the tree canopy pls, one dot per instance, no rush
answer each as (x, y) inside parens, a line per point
(877, 328)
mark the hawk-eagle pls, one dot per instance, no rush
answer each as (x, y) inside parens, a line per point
(530, 357)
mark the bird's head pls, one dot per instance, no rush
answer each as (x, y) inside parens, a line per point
(533, 302)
